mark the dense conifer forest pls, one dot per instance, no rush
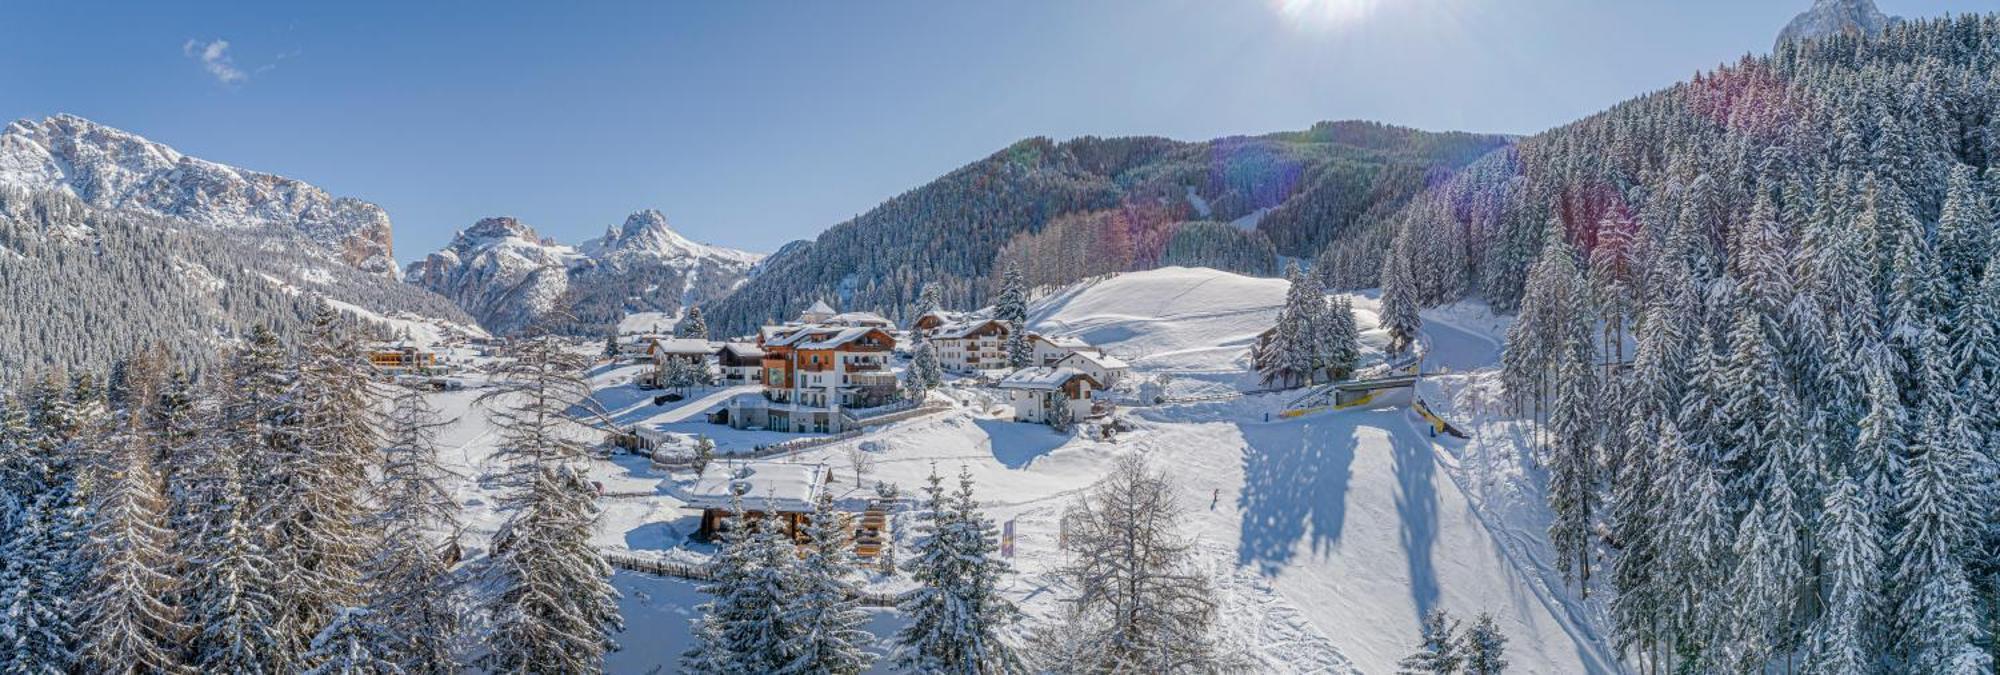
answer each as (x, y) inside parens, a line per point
(1757, 317)
(1107, 205)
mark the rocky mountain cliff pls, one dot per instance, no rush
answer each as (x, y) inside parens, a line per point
(512, 279)
(1836, 17)
(109, 168)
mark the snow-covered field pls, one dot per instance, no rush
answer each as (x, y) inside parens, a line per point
(1327, 535)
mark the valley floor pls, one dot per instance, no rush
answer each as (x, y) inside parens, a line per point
(1327, 536)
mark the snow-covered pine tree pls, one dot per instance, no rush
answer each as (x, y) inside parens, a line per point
(831, 635)
(317, 514)
(1011, 308)
(1288, 357)
(692, 325)
(1143, 604)
(1439, 647)
(353, 644)
(925, 373)
(1937, 619)
(1061, 416)
(411, 589)
(1847, 636)
(226, 591)
(41, 564)
(712, 653)
(554, 608)
(1572, 454)
(1484, 647)
(1399, 306)
(130, 626)
(931, 299)
(956, 614)
(1345, 338)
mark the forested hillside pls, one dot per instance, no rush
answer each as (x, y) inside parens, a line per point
(1758, 316)
(1093, 205)
(84, 287)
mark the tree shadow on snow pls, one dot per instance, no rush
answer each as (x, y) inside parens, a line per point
(1295, 480)
(1015, 445)
(1416, 506)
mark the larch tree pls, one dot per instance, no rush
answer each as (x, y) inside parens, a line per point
(318, 516)
(1142, 602)
(411, 590)
(553, 608)
(131, 628)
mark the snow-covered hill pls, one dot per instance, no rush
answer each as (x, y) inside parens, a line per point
(508, 277)
(115, 169)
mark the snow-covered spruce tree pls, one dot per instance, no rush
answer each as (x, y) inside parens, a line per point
(1142, 602)
(956, 614)
(261, 431)
(41, 564)
(1938, 617)
(1061, 416)
(930, 299)
(692, 325)
(130, 626)
(411, 589)
(1484, 647)
(1572, 454)
(712, 652)
(1847, 636)
(1399, 306)
(1287, 358)
(1011, 308)
(553, 606)
(227, 589)
(925, 372)
(318, 513)
(831, 637)
(354, 643)
(1344, 339)
(1440, 649)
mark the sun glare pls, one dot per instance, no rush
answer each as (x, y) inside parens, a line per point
(1324, 13)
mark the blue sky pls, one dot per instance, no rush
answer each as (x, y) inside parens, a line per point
(752, 123)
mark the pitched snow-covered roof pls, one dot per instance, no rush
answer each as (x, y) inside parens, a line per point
(743, 350)
(860, 319)
(819, 307)
(1042, 378)
(845, 336)
(1099, 359)
(763, 486)
(1069, 342)
(952, 331)
(683, 346)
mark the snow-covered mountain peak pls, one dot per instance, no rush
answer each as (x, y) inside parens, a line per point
(648, 233)
(1836, 17)
(492, 230)
(507, 276)
(107, 167)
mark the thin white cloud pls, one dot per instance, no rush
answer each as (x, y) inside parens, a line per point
(214, 58)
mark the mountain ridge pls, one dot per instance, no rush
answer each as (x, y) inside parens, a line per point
(110, 168)
(512, 279)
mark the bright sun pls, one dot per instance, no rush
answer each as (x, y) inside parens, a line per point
(1324, 13)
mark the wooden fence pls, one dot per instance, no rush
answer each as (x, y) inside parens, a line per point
(698, 572)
